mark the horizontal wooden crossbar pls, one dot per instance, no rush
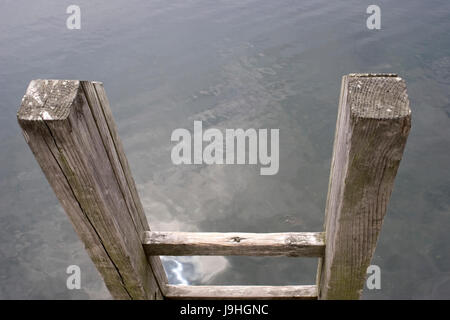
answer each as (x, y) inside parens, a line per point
(179, 292)
(294, 244)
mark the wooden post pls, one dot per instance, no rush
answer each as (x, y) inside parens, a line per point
(373, 123)
(70, 130)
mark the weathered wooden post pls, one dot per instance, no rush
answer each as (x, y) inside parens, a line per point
(373, 123)
(69, 127)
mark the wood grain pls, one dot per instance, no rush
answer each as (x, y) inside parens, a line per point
(79, 151)
(135, 202)
(180, 292)
(294, 244)
(373, 123)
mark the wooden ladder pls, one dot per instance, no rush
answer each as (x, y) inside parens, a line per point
(69, 127)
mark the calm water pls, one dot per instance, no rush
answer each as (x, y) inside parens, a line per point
(232, 64)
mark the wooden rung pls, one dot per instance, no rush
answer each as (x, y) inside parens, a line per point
(180, 292)
(294, 244)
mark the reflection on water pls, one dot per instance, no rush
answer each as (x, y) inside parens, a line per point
(193, 270)
(231, 64)
(176, 274)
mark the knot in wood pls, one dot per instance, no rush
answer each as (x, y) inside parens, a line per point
(237, 239)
